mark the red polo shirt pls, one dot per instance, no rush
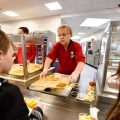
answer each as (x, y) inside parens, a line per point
(30, 51)
(68, 59)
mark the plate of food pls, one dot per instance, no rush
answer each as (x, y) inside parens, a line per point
(17, 69)
(84, 116)
(52, 81)
(55, 83)
(31, 103)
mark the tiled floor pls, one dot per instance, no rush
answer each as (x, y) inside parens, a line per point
(88, 74)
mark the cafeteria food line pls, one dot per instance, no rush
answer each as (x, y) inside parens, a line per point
(65, 108)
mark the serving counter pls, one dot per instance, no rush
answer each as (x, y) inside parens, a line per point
(22, 81)
(56, 107)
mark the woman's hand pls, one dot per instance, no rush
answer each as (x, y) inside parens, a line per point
(73, 77)
(43, 74)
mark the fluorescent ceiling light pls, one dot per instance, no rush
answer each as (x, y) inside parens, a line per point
(10, 13)
(94, 22)
(53, 6)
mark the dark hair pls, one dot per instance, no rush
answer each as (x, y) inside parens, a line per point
(5, 42)
(114, 113)
(25, 29)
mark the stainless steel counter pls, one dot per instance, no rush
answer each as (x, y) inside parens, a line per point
(56, 107)
(20, 80)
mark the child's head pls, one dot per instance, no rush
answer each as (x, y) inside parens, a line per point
(6, 53)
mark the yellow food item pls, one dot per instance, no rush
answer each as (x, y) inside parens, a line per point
(18, 70)
(52, 81)
(52, 77)
(85, 117)
(34, 67)
(31, 103)
(61, 85)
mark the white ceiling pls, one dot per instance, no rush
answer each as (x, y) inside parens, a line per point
(73, 13)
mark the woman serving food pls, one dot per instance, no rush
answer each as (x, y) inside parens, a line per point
(69, 54)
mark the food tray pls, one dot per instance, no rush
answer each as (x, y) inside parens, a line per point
(54, 80)
(17, 69)
(50, 84)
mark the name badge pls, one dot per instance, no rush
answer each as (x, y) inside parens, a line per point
(72, 54)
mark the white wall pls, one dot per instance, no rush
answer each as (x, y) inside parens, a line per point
(36, 24)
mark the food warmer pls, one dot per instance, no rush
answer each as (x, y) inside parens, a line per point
(26, 72)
